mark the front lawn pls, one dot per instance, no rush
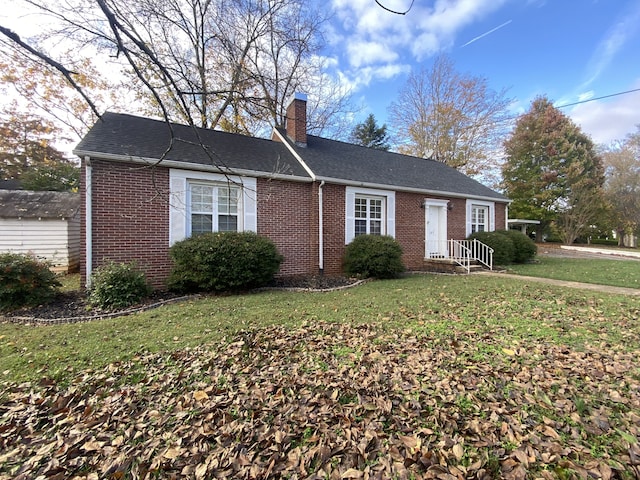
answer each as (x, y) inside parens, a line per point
(617, 273)
(423, 377)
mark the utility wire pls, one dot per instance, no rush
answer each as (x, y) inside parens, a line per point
(598, 98)
(515, 117)
(394, 11)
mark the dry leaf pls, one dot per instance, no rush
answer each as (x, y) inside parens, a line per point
(458, 451)
(352, 473)
(172, 453)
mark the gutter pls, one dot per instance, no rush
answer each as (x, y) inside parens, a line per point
(397, 188)
(88, 221)
(149, 162)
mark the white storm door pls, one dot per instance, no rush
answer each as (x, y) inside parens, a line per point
(435, 229)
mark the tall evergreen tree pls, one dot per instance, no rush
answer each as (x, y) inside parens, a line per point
(369, 134)
(552, 172)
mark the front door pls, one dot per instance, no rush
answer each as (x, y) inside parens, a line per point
(435, 229)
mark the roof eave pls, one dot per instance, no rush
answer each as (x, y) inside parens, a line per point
(399, 188)
(188, 166)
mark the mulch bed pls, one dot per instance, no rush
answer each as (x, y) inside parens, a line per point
(73, 306)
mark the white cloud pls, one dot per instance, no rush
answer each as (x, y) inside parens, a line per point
(369, 53)
(363, 77)
(613, 41)
(367, 22)
(585, 96)
(608, 119)
(374, 37)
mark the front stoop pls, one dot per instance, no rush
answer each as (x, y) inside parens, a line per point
(447, 265)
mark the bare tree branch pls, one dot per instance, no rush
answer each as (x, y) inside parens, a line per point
(14, 37)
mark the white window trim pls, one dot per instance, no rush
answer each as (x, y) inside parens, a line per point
(179, 208)
(390, 208)
(491, 207)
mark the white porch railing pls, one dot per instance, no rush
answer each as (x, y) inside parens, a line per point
(463, 252)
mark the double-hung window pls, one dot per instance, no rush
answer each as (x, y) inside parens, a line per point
(369, 215)
(214, 208)
(479, 218)
(369, 211)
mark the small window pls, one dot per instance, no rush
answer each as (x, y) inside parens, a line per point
(369, 215)
(479, 216)
(214, 208)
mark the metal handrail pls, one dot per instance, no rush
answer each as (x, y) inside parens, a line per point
(483, 253)
(464, 252)
(460, 253)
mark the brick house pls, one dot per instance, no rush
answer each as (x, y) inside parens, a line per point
(147, 185)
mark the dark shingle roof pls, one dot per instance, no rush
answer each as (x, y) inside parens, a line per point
(131, 136)
(26, 204)
(334, 159)
(127, 136)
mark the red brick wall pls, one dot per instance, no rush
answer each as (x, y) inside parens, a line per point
(410, 225)
(286, 215)
(130, 218)
(131, 221)
(296, 122)
(501, 216)
(457, 219)
(410, 228)
(333, 211)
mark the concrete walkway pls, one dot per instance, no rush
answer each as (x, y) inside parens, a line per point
(563, 283)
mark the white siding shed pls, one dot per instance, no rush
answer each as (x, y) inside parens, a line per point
(45, 224)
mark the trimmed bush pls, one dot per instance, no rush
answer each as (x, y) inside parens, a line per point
(25, 281)
(374, 256)
(117, 285)
(525, 249)
(503, 249)
(223, 261)
(604, 241)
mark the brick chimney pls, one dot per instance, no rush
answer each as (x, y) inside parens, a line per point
(296, 120)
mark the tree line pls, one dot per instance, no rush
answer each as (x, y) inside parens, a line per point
(233, 65)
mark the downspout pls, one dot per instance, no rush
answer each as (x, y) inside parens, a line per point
(88, 217)
(320, 231)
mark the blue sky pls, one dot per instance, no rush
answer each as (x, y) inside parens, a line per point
(568, 50)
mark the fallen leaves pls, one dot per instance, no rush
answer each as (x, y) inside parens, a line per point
(337, 402)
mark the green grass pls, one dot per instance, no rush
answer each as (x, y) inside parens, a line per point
(617, 273)
(510, 310)
(69, 282)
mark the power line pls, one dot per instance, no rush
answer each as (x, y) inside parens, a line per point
(598, 98)
(394, 11)
(515, 117)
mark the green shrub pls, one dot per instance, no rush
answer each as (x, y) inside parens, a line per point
(117, 285)
(503, 249)
(25, 281)
(525, 249)
(223, 261)
(375, 256)
(604, 241)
